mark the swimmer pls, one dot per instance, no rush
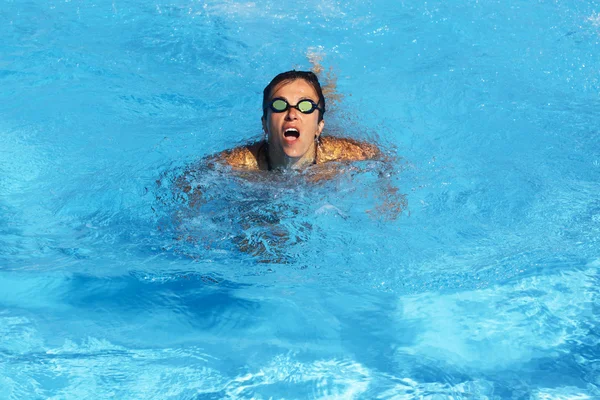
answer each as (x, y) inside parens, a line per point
(293, 124)
(292, 121)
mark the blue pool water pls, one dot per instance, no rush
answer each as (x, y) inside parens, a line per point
(486, 286)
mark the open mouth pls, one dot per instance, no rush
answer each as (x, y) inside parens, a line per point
(291, 133)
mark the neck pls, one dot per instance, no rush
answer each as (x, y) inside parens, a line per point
(282, 161)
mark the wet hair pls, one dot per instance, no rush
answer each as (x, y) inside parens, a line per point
(291, 76)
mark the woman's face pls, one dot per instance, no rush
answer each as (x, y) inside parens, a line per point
(292, 134)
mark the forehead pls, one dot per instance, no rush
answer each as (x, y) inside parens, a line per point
(298, 88)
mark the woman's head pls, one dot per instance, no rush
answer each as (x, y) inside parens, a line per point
(293, 105)
(290, 76)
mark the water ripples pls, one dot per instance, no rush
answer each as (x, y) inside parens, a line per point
(114, 285)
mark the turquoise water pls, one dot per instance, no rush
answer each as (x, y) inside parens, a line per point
(484, 287)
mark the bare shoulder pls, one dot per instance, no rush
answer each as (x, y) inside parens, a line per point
(249, 157)
(345, 149)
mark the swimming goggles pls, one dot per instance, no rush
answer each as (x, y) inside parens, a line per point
(279, 105)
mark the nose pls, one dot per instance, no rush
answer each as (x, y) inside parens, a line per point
(292, 114)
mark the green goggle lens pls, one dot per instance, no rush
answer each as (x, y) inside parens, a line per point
(279, 105)
(304, 106)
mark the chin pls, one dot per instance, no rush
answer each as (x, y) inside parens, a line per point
(293, 153)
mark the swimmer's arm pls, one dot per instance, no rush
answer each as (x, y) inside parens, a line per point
(249, 158)
(185, 188)
(334, 152)
(345, 149)
(186, 191)
(239, 158)
(391, 203)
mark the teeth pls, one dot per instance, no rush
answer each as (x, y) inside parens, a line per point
(291, 130)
